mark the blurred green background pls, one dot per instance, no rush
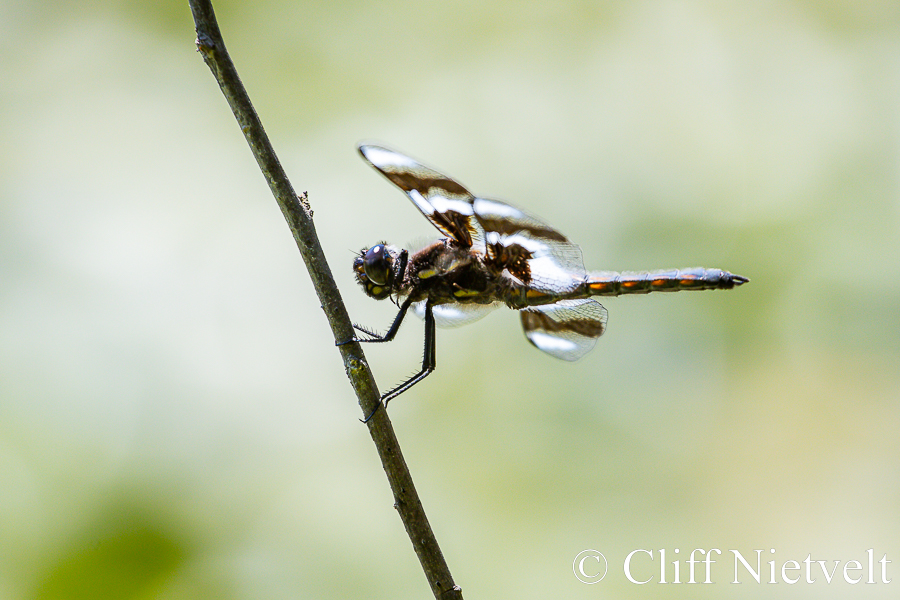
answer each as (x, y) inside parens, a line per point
(174, 419)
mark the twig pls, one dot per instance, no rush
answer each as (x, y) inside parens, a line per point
(299, 217)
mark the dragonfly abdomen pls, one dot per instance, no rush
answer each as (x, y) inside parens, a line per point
(609, 283)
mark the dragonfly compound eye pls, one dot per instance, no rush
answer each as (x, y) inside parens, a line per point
(377, 264)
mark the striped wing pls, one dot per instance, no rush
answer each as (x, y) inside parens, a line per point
(535, 253)
(443, 201)
(567, 330)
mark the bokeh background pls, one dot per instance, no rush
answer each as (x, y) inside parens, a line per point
(176, 423)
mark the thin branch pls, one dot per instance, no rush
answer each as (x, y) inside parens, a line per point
(298, 214)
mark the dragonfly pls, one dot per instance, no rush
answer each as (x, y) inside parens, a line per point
(494, 254)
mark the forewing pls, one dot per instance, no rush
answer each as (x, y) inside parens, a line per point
(567, 330)
(532, 251)
(455, 314)
(443, 201)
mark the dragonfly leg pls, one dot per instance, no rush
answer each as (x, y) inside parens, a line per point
(428, 359)
(428, 362)
(374, 337)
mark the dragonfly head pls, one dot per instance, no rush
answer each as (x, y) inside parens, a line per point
(378, 269)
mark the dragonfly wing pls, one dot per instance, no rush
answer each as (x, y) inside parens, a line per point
(533, 252)
(567, 330)
(443, 200)
(455, 314)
